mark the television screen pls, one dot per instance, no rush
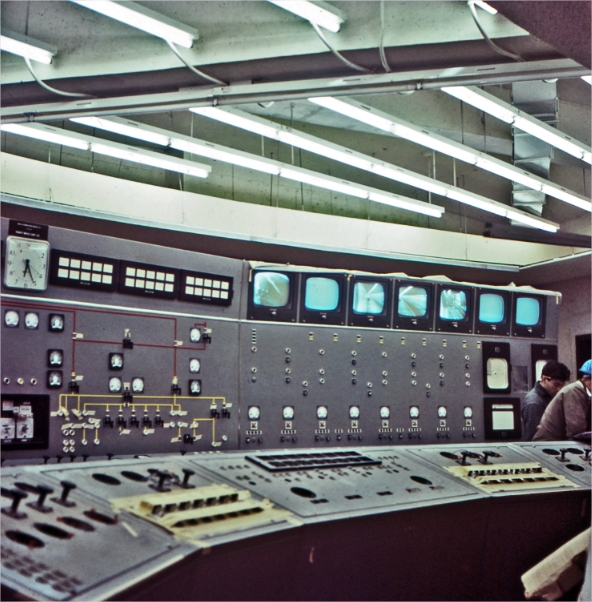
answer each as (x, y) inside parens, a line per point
(271, 289)
(413, 302)
(528, 311)
(369, 298)
(322, 294)
(497, 373)
(502, 417)
(453, 305)
(491, 308)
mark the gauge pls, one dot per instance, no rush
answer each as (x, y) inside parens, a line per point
(11, 318)
(288, 412)
(194, 387)
(56, 322)
(254, 413)
(194, 365)
(195, 335)
(55, 357)
(322, 412)
(354, 412)
(31, 320)
(138, 385)
(115, 384)
(442, 412)
(413, 412)
(468, 412)
(54, 379)
(385, 412)
(27, 263)
(115, 361)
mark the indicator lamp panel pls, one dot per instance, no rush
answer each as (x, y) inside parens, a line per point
(83, 271)
(148, 280)
(199, 287)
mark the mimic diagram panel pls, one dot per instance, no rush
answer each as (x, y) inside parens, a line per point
(115, 347)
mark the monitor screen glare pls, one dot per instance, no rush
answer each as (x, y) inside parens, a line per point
(453, 305)
(528, 311)
(271, 289)
(369, 298)
(491, 308)
(322, 294)
(502, 417)
(413, 302)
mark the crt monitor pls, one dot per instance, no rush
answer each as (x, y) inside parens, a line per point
(453, 305)
(412, 302)
(528, 311)
(321, 294)
(271, 289)
(369, 298)
(491, 308)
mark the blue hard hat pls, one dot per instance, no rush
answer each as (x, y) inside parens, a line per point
(587, 367)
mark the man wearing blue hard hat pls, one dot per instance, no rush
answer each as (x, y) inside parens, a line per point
(568, 415)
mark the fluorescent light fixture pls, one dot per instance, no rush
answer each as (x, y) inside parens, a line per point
(123, 127)
(264, 127)
(587, 79)
(523, 121)
(26, 47)
(147, 20)
(484, 6)
(324, 15)
(48, 133)
(290, 172)
(364, 113)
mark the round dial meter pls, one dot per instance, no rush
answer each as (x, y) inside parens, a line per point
(195, 335)
(195, 387)
(194, 365)
(55, 358)
(442, 411)
(385, 412)
(11, 318)
(31, 320)
(468, 412)
(413, 412)
(54, 379)
(288, 412)
(254, 412)
(115, 384)
(354, 412)
(138, 385)
(56, 322)
(116, 361)
(322, 412)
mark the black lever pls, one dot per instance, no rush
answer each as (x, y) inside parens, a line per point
(17, 495)
(187, 472)
(63, 500)
(162, 477)
(562, 458)
(486, 455)
(466, 454)
(43, 491)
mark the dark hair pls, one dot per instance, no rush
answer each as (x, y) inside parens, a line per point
(556, 370)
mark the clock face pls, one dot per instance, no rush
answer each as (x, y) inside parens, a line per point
(27, 263)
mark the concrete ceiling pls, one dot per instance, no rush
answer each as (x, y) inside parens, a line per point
(272, 61)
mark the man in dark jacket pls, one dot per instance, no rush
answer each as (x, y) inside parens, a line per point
(553, 378)
(568, 414)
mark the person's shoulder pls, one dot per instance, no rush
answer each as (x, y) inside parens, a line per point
(532, 397)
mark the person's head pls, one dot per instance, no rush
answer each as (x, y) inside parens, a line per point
(585, 370)
(554, 376)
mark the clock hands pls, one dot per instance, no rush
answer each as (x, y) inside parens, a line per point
(28, 269)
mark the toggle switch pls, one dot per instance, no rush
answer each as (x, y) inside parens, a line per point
(162, 477)
(562, 458)
(67, 486)
(587, 454)
(185, 484)
(39, 505)
(17, 496)
(466, 454)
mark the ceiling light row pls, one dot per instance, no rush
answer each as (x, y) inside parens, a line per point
(380, 120)
(318, 146)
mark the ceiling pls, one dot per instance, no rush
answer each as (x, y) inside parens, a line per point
(271, 62)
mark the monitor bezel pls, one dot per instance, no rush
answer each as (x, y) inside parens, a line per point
(411, 322)
(463, 326)
(288, 313)
(537, 331)
(382, 320)
(500, 328)
(314, 316)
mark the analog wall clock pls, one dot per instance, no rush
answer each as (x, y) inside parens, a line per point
(27, 263)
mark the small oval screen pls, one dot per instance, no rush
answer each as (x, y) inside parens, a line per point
(322, 294)
(528, 311)
(491, 308)
(413, 302)
(369, 298)
(271, 289)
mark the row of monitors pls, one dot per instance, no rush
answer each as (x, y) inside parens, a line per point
(319, 298)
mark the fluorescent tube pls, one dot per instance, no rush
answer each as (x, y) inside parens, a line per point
(484, 6)
(324, 15)
(587, 79)
(147, 20)
(361, 112)
(123, 127)
(26, 47)
(48, 133)
(519, 119)
(242, 159)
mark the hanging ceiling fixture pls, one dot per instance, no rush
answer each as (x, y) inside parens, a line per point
(320, 13)
(519, 119)
(361, 112)
(26, 47)
(267, 128)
